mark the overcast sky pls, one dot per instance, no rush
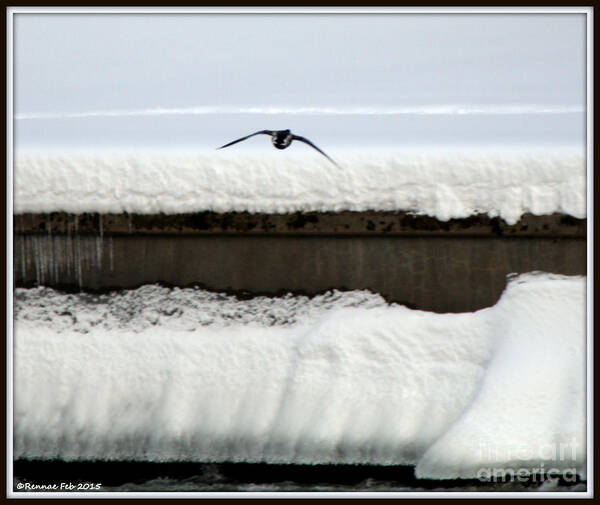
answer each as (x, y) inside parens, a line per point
(107, 62)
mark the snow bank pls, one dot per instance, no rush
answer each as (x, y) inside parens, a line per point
(529, 411)
(344, 378)
(448, 184)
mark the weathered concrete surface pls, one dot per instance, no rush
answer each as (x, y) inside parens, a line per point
(450, 273)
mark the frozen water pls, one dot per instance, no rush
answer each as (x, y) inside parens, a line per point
(185, 375)
(444, 184)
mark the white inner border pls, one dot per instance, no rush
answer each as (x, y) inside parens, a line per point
(11, 11)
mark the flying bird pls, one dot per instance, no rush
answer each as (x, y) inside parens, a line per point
(281, 139)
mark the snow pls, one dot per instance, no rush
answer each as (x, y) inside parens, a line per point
(340, 378)
(441, 183)
(176, 308)
(531, 404)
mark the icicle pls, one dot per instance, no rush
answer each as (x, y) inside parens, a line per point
(36, 256)
(98, 252)
(99, 243)
(79, 267)
(44, 258)
(56, 243)
(49, 252)
(110, 251)
(69, 248)
(78, 258)
(23, 243)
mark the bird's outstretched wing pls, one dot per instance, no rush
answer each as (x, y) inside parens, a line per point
(306, 141)
(265, 132)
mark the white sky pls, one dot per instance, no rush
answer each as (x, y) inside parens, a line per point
(90, 62)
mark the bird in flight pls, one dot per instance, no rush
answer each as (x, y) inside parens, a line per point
(281, 139)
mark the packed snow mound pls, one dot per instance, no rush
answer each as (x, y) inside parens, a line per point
(344, 378)
(529, 411)
(442, 184)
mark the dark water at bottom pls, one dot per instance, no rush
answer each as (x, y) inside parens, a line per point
(100, 476)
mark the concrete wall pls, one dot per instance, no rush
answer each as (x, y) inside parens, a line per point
(450, 272)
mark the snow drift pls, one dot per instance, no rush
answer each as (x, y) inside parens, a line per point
(444, 184)
(157, 374)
